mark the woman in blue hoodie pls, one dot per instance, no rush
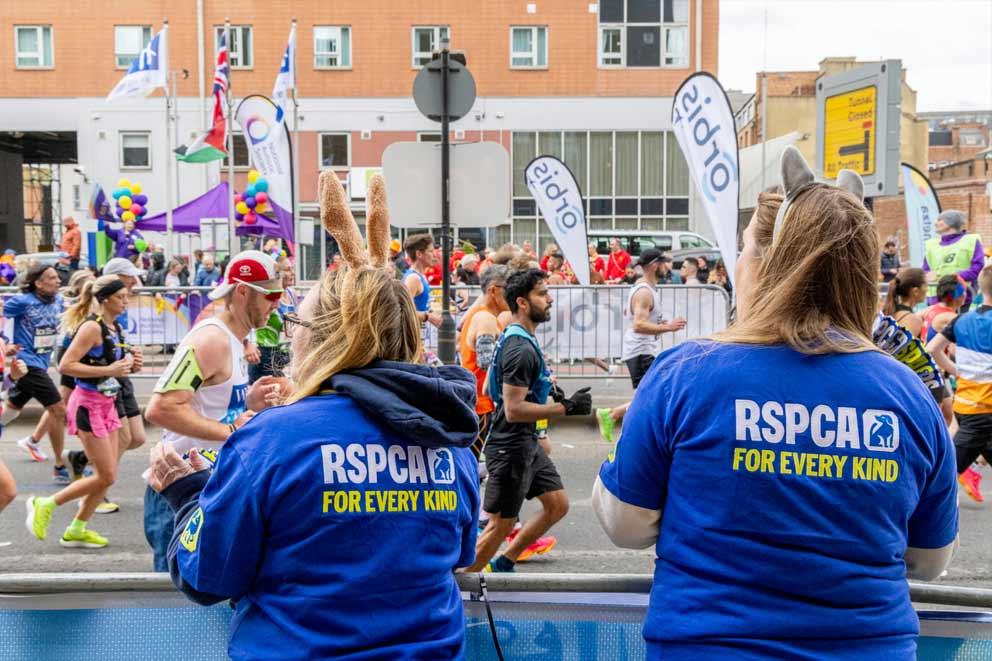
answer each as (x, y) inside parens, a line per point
(335, 522)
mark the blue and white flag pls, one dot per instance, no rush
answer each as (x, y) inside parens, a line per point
(148, 71)
(286, 80)
(922, 209)
(558, 197)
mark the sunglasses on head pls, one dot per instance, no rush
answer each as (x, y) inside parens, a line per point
(270, 294)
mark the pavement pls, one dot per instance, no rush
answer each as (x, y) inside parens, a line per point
(578, 451)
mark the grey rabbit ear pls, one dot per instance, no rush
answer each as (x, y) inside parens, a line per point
(852, 182)
(795, 172)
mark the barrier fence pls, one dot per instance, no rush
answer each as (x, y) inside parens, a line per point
(583, 338)
(538, 617)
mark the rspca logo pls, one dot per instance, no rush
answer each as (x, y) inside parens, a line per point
(881, 430)
(442, 466)
(191, 534)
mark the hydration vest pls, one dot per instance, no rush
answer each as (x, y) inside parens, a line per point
(105, 384)
(539, 389)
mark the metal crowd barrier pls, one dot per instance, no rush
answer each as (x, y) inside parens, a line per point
(539, 617)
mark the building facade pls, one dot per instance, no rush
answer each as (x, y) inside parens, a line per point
(591, 83)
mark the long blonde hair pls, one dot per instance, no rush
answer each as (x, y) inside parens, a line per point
(816, 288)
(86, 304)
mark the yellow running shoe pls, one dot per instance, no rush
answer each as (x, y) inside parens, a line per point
(107, 507)
(39, 516)
(85, 539)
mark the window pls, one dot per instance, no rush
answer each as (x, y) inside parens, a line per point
(689, 241)
(239, 50)
(242, 159)
(334, 150)
(644, 33)
(429, 137)
(129, 41)
(136, 150)
(529, 47)
(332, 47)
(77, 197)
(426, 40)
(33, 44)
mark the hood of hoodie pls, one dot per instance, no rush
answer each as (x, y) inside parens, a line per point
(432, 406)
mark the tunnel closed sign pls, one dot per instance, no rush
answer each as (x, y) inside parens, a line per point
(849, 132)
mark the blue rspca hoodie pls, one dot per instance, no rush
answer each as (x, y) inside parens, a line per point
(335, 522)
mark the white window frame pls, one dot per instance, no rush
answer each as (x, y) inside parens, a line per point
(435, 42)
(338, 54)
(120, 150)
(320, 151)
(231, 52)
(534, 53)
(40, 53)
(145, 30)
(664, 28)
(622, 30)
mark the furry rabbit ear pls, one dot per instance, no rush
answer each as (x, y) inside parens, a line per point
(337, 219)
(377, 221)
(795, 172)
(852, 182)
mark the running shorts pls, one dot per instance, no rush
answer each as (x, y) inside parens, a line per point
(92, 412)
(36, 384)
(974, 430)
(127, 403)
(516, 475)
(638, 366)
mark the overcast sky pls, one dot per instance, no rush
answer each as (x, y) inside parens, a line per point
(945, 46)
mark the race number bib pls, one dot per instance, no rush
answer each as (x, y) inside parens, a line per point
(45, 340)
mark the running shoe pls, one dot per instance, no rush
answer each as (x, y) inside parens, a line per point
(971, 480)
(85, 539)
(540, 547)
(33, 449)
(60, 475)
(107, 507)
(39, 516)
(606, 424)
(77, 463)
(500, 565)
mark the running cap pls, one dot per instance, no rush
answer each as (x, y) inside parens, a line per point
(251, 266)
(650, 256)
(121, 266)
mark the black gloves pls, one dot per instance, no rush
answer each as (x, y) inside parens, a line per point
(580, 403)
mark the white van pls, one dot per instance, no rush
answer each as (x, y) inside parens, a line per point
(635, 241)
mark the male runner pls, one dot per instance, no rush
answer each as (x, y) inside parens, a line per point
(420, 250)
(519, 469)
(203, 395)
(35, 314)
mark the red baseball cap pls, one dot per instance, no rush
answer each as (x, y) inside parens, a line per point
(251, 266)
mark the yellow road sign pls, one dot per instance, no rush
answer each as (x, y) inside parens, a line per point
(849, 132)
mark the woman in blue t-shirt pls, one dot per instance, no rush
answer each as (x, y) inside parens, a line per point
(836, 475)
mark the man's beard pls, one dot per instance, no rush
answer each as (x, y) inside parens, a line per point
(540, 316)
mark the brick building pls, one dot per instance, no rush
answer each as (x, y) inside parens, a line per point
(592, 83)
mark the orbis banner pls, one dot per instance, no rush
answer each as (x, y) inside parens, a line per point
(922, 209)
(560, 200)
(703, 122)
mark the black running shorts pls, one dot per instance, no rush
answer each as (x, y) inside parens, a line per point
(127, 403)
(638, 366)
(36, 384)
(516, 475)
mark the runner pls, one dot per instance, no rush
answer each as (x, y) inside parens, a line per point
(291, 532)
(971, 336)
(203, 396)
(35, 314)
(97, 359)
(950, 298)
(420, 249)
(907, 290)
(795, 382)
(519, 383)
(17, 369)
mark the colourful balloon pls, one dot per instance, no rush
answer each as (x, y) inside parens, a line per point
(124, 183)
(135, 188)
(242, 207)
(250, 191)
(253, 175)
(140, 199)
(140, 245)
(261, 185)
(126, 216)
(125, 201)
(136, 209)
(238, 197)
(261, 197)
(251, 202)
(251, 219)
(238, 215)
(261, 208)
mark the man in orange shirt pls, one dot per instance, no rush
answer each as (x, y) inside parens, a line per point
(71, 242)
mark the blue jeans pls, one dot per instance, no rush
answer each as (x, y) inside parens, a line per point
(159, 525)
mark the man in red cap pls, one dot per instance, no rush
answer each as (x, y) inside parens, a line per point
(203, 395)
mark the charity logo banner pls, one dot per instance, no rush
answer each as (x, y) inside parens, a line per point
(703, 123)
(271, 154)
(922, 209)
(147, 72)
(558, 197)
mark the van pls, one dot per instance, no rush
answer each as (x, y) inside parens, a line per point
(635, 242)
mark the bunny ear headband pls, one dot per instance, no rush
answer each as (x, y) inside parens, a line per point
(797, 178)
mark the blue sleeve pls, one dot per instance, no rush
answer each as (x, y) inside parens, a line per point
(934, 523)
(184, 497)
(637, 471)
(470, 528)
(14, 307)
(218, 549)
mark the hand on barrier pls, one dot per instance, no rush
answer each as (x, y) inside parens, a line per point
(580, 403)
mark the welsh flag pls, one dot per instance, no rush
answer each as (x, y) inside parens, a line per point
(212, 145)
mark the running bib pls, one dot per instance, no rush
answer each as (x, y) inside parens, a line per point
(45, 340)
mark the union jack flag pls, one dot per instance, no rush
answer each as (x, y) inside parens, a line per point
(212, 145)
(221, 80)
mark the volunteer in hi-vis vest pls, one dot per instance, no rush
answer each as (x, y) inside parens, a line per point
(836, 474)
(953, 253)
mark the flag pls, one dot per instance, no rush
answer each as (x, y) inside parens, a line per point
(922, 209)
(148, 71)
(558, 196)
(271, 154)
(286, 80)
(99, 208)
(703, 124)
(212, 145)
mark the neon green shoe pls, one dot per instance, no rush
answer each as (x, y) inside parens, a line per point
(39, 516)
(85, 539)
(606, 424)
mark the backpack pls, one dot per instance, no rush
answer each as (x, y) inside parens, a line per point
(541, 387)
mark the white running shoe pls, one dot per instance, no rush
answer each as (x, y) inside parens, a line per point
(33, 449)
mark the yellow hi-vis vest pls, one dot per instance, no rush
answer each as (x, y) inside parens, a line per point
(951, 259)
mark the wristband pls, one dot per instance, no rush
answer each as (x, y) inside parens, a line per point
(231, 429)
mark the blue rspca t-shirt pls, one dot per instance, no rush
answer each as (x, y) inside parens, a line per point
(36, 327)
(790, 487)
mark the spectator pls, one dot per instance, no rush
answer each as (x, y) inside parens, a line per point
(704, 269)
(549, 250)
(666, 276)
(208, 276)
(556, 276)
(197, 260)
(629, 276)
(433, 273)
(173, 277)
(890, 261)
(527, 248)
(63, 268)
(71, 242)
(335, 262)
(953, 252)
(596, 263)
(616, 265)
(398, 259)
(125, 239)
(156, 273)
(718, 276)
(469, 268)
(690, 272)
